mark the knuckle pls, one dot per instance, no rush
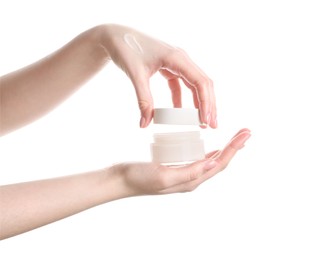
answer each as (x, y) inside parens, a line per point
(175, 53)
(144, 105)
(204, 83)
(181, 52)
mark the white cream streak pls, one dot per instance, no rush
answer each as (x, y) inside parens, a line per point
(133, 43)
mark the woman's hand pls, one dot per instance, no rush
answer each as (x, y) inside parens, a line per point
(141, 56)
(33, 91)
(152, 178)
(29, 205)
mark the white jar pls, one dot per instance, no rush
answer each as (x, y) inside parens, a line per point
(175, 148)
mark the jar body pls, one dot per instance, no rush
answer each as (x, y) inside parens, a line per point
(177, 148)
(181, 147)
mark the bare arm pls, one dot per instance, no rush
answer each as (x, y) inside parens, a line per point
(30, 92)
(26, 206)
(29, 205)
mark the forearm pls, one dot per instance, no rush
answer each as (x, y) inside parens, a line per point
(29, 205)
(32, 91)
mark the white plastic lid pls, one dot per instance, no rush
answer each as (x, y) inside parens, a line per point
(176, 116)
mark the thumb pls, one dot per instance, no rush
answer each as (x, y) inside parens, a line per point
(191, 172)
(145, 101)
(146, 109)
(187, 178)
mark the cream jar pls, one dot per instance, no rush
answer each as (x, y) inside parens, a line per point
(175, 148)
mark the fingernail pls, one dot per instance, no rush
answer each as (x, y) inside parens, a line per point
(215, 123)
(243, 141)
(208, 118)
(142, 122)
(205, 123)
(210, 164)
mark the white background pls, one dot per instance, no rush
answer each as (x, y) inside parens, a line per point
(267, 60)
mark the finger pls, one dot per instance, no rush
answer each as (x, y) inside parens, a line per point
(179, 63)
(195, 181)
(204, 102)
(175, 89)
(212, 154)
(215, 155)
(195, 100)
(222, 158)
(235, 144)
(184, 174)
(194, 94)
(213, 119)
(243, 130)
(226, 155)
(212, 114)
(145, 101)
(232, 147)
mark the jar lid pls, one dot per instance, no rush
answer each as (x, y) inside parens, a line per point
(176, 116)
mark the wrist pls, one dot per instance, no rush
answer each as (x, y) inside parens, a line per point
(110, 38)
(114, 187)
(97, 37)
(104, 40)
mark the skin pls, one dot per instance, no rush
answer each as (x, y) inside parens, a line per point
(38, 88)
(31, 92)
